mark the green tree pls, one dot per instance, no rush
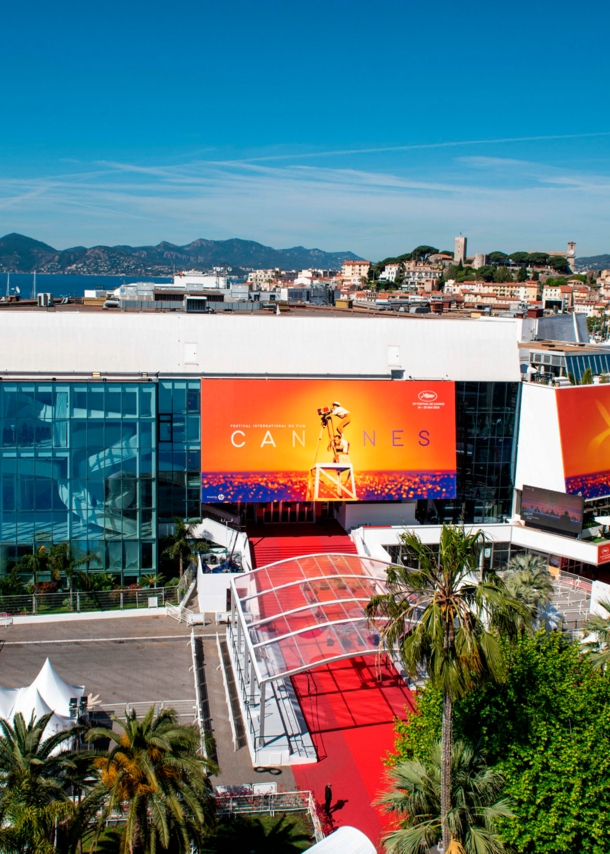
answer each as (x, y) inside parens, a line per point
(36, 563)
(245, 835)
(502, 274)
(498, 257)
(183, 546)
(422, 253)
(546, 729)
(519, 258)
(64, 562)
(560, 264)
(599, 647)
(443, 618)
(486, 273)
(36, 772)
(522, 274)
(538, 259)
(528, 580)
(587, 377)
(154, 776)
(414, 798)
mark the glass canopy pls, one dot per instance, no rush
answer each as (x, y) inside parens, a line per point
(303, 612)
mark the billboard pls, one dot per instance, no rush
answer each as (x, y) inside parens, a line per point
(326, 440)
(552, 511)
(584, 427)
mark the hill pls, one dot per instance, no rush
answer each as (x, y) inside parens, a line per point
(22, 254)
(593, 262)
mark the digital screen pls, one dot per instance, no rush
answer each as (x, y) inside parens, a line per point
(326, 440)
(584, 426)
(552, 511)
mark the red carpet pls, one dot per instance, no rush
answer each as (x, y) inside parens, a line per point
(271, 543)
(350, 717)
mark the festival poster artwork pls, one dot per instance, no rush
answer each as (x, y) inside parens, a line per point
(327, 440)
(584, 426)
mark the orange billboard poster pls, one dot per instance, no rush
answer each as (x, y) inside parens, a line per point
(326, 440)
(584, 426)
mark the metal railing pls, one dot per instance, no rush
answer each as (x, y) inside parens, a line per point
(89, 600)
(241, 801)
(186, 581)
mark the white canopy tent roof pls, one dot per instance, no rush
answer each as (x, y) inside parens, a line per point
(48, 693)
(7, 701)
(29, 702)
(345, 840)
(55, 691)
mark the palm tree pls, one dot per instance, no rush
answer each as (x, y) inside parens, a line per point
(154, 579)
(415, 797)
(528, 579)
(36, 562)
(599, 648)
(155, 778)
(183, 545)
(63, 561)
(248, 835)
(36, 771)
(442, 617)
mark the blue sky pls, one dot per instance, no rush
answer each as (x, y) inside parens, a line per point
(370, 126)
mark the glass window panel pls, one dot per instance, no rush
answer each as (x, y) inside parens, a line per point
(130, 401)
(146, 395)
(78, 431)
(192, 400)
(179, 459)
(179, 428)
(79, 401)
(112, 433)
(165, 396)
(113, 401)
(145, 434)
(193, 460)
(147, 555)
(165, 459)
(192, 428)
(95, 397)
(179, 397)
(114, 552)
(132, 553)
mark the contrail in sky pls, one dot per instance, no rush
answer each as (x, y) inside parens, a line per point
(455, 144)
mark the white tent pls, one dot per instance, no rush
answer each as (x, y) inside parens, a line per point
(29, 702)
(55, 691)
(345, 840)
(7, 701)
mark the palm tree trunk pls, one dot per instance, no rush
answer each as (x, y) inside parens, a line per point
(446, 740)
(180, 564)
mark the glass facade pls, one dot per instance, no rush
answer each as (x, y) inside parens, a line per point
(487, 417)
(101, 464)
(78, 462)
(179, 432)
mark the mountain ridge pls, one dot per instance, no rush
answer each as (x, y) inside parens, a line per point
(593, 262)
(21, 254)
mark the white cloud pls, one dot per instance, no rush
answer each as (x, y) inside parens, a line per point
(498, 202)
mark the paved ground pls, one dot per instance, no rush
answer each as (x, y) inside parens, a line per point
(137, 660)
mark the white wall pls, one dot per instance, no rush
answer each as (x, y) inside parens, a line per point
(539, 458)
(212, 591)
(458, 349)
(368, 540)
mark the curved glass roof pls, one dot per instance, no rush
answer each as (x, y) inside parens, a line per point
(302, 612)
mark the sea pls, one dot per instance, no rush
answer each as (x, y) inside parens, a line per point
(65, 285)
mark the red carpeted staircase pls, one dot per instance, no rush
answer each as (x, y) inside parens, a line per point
(271, 543)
